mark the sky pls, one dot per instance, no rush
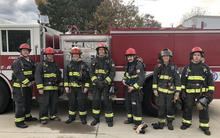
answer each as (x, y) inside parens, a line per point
(167, 12)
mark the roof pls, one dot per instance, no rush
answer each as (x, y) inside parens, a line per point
(2, 21)
(202, 16)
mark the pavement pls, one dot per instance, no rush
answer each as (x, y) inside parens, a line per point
(55, 129)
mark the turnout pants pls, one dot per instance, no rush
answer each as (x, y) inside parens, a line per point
(22, 98)
(133, 103)
(96, 103)
(189, 102)
(48, 103)
(166, 107)
(77, 99)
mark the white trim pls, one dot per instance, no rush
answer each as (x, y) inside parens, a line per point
(165, 32)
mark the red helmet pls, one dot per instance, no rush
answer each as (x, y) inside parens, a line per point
(76, 50)
(130, 51)
(49, 50)
(24, 46)
(196, 49)
(166, 52)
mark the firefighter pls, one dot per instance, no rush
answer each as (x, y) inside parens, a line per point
(102, 73)
(48, 80)
(166, 87)
(133, 80)
(22, 77)
(76, 83)
(197, 87)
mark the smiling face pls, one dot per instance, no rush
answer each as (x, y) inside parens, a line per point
(75, 57)
(130, 58)
(101, 51)
(166, 59)
(50, 57)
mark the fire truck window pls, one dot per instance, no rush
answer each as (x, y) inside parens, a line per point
(4, 41)
(17, 37)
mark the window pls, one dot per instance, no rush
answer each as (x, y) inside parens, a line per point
(17, 37)
(4, 41)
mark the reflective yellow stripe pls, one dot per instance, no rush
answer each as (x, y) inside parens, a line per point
(165, 90)
(165, 77)
(74, 84)
(154, 86)
(74, 74)
(109, 115)
(162, 120)
(108, 79)
(61, 84)
(18, 85)
(137, 118)
(171, 116)
(50, 75)
(178, 88)
(53, 117)
(66, 84)
(86, 84)
(130, 77)
(211, 88)
(27, 72)
(43, 118)
(204, 124)
(187, 121)
(40, 86)
(136, 86)
(28, 115)
(183, 87)
(25, 81)
(72, 113)
(93, 78)
(124, 78)
(100, 71)
(196, 78)
(129, 115)
(195, 90)
(83, 113)
(19, 119)
(50, 87)
(95, 111)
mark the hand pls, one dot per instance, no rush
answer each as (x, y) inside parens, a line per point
(41, 91)
(67, 90)
(156, 93)
(123, 82)
(130, 89)
(176, 96)
(85, 90)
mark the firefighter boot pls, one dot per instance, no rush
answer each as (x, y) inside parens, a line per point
(44, 121)
(158, 125)
(205, 130)
(110, 124)
(83, 120)
(21, 124)
(184, 126)
(95, 122)
(170, 125)
(70, 119)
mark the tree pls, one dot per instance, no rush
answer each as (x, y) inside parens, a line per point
(62, 13)
(119, 15)
(194, 12)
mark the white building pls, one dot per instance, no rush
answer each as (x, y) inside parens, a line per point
(205, 22)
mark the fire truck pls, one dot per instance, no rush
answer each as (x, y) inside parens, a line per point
(147, 42)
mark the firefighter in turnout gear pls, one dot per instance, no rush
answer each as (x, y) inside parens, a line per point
(102, 73)
(48, 80)
(197, 87)
(76, 83)
(22, 78)
(166, 87)
(133, 80)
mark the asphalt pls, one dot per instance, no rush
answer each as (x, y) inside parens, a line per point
(55, 129)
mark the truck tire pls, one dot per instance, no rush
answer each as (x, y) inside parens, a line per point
(4, 96)
(149, 105)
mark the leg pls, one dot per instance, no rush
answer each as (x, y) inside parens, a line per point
(43, 100)
(136, 107)
(128, 106)
(53, 105)
(82, 101)
(28, 103)
(72, 105)
(204, 121)
(96, 105)
(108, 107)
(170, 111)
